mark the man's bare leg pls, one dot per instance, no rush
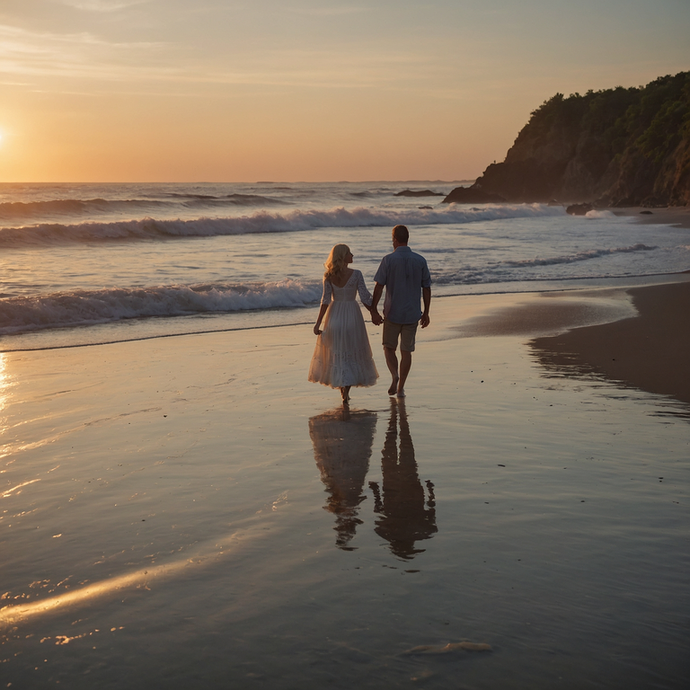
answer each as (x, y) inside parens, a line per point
(392, 363)
(405, 365)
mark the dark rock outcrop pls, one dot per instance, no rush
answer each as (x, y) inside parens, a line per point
(579, 209)
(472, 195)
(618, 147)
(423, 192)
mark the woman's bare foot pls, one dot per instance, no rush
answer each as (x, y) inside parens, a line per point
(394, 386)
(345, 393)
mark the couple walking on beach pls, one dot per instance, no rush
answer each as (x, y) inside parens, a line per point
(342, 357)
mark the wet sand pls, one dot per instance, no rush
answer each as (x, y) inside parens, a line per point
(229, 525)
(637, 337)
(648, 351)
(679, 216)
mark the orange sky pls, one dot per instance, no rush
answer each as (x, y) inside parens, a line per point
(211, 90)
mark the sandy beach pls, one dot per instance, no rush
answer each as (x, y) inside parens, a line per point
(229, 525)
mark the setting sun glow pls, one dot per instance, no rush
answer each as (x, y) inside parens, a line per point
(134, 90)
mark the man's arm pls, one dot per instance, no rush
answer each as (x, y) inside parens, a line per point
(378, 291)
(426, 298)
(375, 316)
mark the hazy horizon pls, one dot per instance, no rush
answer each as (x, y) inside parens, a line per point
(96, 91)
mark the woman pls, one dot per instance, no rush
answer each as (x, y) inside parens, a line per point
(342, 357)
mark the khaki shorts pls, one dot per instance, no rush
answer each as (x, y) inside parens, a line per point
(405, 331)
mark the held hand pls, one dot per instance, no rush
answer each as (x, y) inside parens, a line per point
(425, 321)
(376, 318)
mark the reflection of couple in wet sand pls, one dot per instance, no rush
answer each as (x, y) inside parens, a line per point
(343, 442)
(342, 356)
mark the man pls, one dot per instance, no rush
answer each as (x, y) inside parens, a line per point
(405, 276)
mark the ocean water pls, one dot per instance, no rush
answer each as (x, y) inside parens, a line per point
(85, 263)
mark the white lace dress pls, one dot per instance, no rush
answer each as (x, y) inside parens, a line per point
(342, 356)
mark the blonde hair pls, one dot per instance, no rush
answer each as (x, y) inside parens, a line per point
(336, 262)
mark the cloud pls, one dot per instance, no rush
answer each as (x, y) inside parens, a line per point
(100, 5)
(39, 54)
(331, 69)
(335, 11)
(27, 55)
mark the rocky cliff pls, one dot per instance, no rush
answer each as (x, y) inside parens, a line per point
(618, 147)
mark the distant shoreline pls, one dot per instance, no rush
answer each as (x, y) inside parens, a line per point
(678, 216)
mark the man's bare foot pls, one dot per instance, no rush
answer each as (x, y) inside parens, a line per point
(401, 393)
(394, 386)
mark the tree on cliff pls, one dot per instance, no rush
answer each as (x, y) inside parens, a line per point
(618, 147)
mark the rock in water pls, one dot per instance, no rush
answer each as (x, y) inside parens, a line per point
(450, 648)
(472, 195)
(423, 192)
(579, 209)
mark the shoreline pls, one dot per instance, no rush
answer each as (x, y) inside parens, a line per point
(482, 302)
(647, 351)
(635, 335)
(677, 216)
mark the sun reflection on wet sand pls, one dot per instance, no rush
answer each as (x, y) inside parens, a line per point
(140, 579)
(4, 386)
(13, 446)
(17, 488)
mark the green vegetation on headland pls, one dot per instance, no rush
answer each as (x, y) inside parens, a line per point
(618, 147)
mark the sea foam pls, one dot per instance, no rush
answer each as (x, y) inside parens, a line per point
(82, 308)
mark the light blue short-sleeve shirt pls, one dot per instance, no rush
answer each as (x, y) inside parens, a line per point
(404, 274)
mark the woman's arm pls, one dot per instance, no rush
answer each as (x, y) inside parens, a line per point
(325, 301)
(364, 294)
(317, 325)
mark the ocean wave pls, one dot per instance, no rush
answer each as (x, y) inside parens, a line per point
(580, 256)
(178, 195)
(265, 222)
(228, 199)
(88, 308)
(600, 213)
(22, 210)
(27, 210)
